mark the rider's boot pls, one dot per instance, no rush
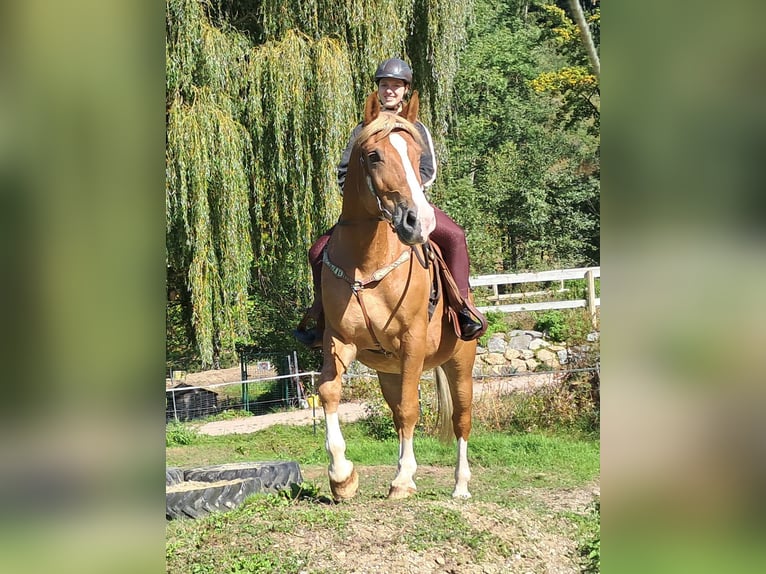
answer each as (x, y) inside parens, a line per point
(470, 328)
(311, 336)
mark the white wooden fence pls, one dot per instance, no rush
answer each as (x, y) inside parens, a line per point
(560, 275)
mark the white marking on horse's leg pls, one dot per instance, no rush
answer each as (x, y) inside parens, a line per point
(340, 467)
(426, 214)
(407, 466)
(462, 472)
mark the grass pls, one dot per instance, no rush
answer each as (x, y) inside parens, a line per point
(572, 460)
(528, 454)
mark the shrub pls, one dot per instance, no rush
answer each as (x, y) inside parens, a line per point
(378, 423)
(560, 326)
(179, 434)
(567, 405)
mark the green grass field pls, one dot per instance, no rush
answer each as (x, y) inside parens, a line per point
(532, 507)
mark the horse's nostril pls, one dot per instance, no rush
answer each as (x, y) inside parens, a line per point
(411, 219)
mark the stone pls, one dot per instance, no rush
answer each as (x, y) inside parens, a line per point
(520, 342)
(527, 354)
(531, 364)
(519, 365)
(496, 345)
(556, 348)
(534, 334)
(480, 350)
(538, 344)
(563, 356)
(501, 370)
(494, 359)
(511, 354)
(592, 337)
(548, 357)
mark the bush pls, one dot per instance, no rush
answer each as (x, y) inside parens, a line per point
(560, 326)
(179, 434)
(378, 423)
(569, 405)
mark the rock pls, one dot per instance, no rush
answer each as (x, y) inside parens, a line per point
(527, 354)
(547, 357)
(534, 334)
(531, 364)
(511, 354)
(556, 348)
(519, 365)
(563, 356)
(520, 342)
(494, 359)
(592, 337)
(496, 345)
(480, 350)
(538, 344)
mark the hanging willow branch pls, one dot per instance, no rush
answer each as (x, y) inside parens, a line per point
(261, 98)
(208, 224)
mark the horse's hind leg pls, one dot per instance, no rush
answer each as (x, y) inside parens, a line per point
(403, 400)
(344, 481)
(459, 373)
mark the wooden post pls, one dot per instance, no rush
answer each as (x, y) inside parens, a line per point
(591, 296)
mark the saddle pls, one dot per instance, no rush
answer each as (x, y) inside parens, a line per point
(443, 284)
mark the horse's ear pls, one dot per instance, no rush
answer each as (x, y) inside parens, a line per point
(410, 113)
(371, 108)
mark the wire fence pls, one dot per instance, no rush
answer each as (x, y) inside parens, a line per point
(278, 393)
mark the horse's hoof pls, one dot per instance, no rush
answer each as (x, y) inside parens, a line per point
(399, 492)
(346, 489)
(461, 494)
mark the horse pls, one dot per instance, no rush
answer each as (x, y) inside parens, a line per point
(376, 287)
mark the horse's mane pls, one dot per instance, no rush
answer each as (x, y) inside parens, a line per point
(384, 124)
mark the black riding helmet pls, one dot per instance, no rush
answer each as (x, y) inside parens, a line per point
(394, 68)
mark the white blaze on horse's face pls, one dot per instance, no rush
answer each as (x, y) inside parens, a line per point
(425, 212)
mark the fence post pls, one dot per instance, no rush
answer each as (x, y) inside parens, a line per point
(591, 296)
(175, 410)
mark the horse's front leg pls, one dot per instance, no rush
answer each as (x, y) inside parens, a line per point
(401, 394)
(344, 481)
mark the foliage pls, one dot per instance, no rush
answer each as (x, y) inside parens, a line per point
(564, 325)
(552, 324)
(589, 544)
(261, 98)
(180, 434)
(378, 423)
(569, 406)
(573, 82)
(496, 323)
(521, 181)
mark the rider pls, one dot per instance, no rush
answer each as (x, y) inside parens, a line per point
(393, 78)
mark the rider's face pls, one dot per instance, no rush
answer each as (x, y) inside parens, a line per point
(390, 92)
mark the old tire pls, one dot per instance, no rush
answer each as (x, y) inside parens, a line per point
(274, 476)
(173, 476)
(196, 499)
(225, 486)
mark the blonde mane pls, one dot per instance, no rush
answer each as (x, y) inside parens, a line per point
(384, 124)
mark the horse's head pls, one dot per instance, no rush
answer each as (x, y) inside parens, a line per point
(389, 148)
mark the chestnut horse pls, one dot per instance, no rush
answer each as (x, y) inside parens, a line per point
(375, 291)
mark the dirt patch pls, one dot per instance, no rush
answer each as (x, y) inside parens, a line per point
(529, 533)
(347, 412)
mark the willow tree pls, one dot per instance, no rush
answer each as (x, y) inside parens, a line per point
(261, 97)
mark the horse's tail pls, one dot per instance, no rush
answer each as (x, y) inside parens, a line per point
(443, 405)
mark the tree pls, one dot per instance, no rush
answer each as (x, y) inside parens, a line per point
(531, 176)
(261, 97)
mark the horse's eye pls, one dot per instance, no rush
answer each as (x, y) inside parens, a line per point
(374, 157)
